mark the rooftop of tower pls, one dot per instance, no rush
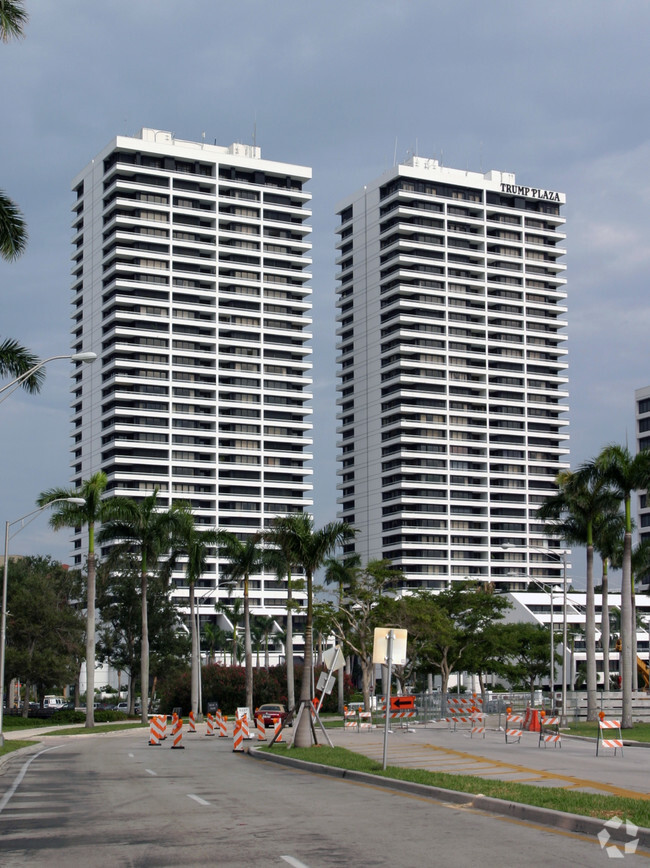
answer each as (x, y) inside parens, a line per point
(164, 137)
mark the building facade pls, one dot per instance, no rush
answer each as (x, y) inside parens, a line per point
(190, 280)
(642, 414)
(452, 373)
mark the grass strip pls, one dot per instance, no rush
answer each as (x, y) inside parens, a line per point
(14, 744)
(604, 807)
(99, 728)
(638, 731)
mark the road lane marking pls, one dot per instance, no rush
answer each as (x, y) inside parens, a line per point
(197, 799)
(131, 755)
(4, 801)
(151, 772)
(569, 780)
(295, 862)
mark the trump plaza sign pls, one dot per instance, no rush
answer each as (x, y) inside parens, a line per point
(531, 192)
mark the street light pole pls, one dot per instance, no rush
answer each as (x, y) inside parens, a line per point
(5, 576)
(11, 387)
(564, 639)
(552, 670)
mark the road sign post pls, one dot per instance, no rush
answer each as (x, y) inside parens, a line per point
(389, 663)
(388, 645)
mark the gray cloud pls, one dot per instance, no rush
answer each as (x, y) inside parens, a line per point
(555, 92)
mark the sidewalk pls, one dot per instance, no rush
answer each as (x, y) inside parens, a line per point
(36, 731)
(574, 765)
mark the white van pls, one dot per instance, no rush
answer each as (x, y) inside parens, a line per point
(54, 703)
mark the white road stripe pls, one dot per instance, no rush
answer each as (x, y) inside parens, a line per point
(197, 799)
(151, 772)
(4, 801)
(295, 862)
(131, 755)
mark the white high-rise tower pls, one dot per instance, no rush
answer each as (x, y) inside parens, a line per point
(452, 377)
(190, 281)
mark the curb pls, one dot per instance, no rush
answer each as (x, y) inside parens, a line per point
(30, 748)
(543, 816)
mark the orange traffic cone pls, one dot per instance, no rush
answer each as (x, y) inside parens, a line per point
(238, 736)
(177, 735)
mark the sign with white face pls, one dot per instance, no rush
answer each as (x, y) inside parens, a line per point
(333, 658)
(325, 683)
(380, 647)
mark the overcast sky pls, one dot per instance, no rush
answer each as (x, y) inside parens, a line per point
(556, 92)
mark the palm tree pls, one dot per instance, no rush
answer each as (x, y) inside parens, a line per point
(280, 536)
(625, 473)
(139, 525)
(609, 539)
(13, 232)
(309, 548)
(257, 639)
(13, 19)
(215, 639)
(640, 566)
(16, 360)
(234, 612)
(245, 558)
(66, 514)
(577, 507)
(342, 572)
(195, 545)
(266, 625)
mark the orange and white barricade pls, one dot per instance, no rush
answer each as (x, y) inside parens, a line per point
(277, 731)
(238, 735)
(177, 734)
(192, 723)
(365, 720)
(209, 720)
(261, 728)
(609, 735)
(350, 719)
(546, 734)
(462, 711)
(243, 716)
(514, 727)
(455, 720)
(478, 725)
(221, 723)
(155, 731)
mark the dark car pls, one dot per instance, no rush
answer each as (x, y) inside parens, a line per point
(270, 712)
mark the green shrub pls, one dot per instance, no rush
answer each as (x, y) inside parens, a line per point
(110, 716)
(69, 716)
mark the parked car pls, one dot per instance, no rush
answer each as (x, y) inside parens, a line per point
(124, 706)
(270, 712)
(53, 703)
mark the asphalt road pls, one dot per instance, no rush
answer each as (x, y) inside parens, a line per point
(113, 800)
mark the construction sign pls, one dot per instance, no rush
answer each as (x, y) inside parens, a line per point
(402, 703)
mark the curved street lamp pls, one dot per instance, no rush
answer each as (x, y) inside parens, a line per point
(5, 571)
(7, 389)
